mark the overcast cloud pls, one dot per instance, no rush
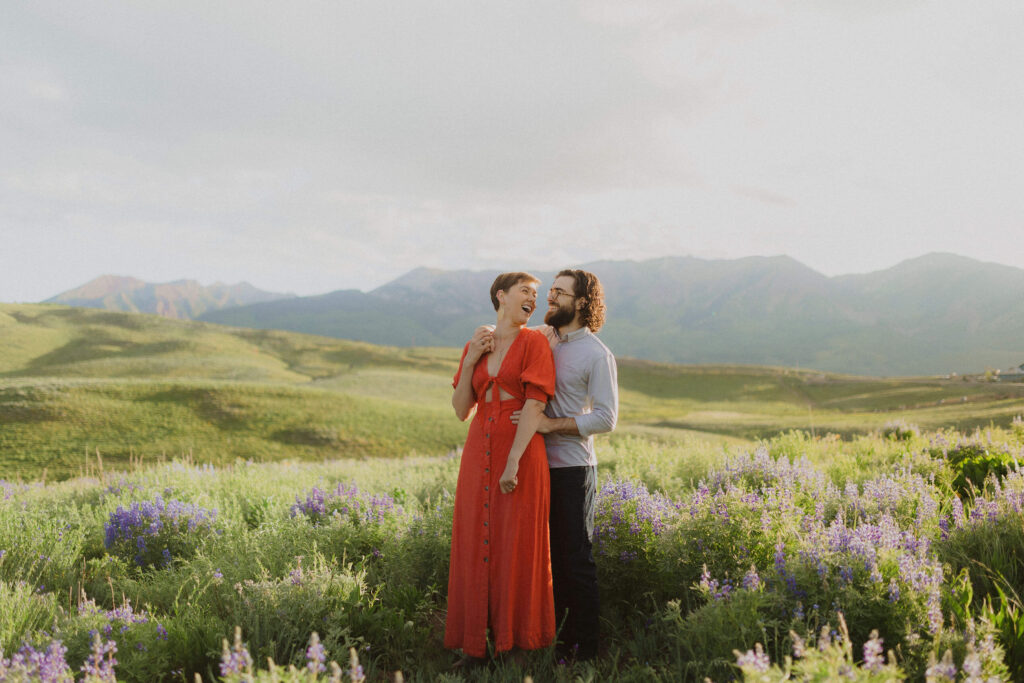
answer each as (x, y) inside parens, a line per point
(314, 146)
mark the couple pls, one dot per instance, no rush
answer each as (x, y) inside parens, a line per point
(521, 559)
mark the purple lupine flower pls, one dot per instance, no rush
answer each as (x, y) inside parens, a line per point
(755, 659)
(780, 558)
(355, 670)
(134, 527)
(972, 666)
(28, 664)
(236, 660)
(99, 665)
(942, 671)
(316, 656)
(873, 653)
(751, 580)
(799, 647)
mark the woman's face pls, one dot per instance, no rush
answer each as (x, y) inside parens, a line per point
(519, 301)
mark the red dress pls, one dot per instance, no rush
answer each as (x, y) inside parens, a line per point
(500, 574)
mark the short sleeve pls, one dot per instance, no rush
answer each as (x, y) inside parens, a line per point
(538, 376)
(458, 373)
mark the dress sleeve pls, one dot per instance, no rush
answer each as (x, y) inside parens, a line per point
(458, 373)
(538, 376)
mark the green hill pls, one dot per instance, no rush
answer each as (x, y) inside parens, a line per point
(75, 381)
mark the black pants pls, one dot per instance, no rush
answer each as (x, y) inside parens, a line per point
(573, 494)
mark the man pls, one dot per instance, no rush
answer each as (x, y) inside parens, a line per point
(586, 402)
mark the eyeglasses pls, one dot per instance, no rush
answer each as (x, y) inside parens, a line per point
(557, 292)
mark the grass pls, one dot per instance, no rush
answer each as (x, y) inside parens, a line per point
(379, 586)
(76, 381)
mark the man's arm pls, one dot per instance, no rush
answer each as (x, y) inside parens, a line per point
(603, 388)
(557, 425)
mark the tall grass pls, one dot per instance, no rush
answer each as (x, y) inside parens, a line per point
(703, 552)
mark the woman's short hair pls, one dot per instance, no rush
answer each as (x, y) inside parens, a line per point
(588, 288)
(507, 281)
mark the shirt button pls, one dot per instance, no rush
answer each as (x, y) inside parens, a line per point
(485, 559)
(487, 488)
(485, 523)
(487, 469)
(488, 452)
(485, 541)
(485, 504)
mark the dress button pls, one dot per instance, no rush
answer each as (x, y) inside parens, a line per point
(487, 469)
(488, 452)
(485, 523)
(485, 559)
(485, 541)
(487, 488)
(485, 504)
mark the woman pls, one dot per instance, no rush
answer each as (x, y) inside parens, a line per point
(500, 575)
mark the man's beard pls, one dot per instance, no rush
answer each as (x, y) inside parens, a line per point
(560, 317)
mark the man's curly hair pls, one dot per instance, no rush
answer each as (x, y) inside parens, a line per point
(588, 289)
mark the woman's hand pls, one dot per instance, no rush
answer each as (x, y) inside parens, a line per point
(480, 343)
(509, 480)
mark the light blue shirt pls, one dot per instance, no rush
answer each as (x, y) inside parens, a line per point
(586, 389)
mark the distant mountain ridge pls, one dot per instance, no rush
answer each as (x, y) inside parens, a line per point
(935, 314)
(181, 299)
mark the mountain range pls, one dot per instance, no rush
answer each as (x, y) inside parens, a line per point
(182, 299)
(935, 314)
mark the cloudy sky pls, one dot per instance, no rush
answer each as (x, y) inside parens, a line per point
(313, 146)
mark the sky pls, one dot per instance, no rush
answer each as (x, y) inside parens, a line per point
(311, 146)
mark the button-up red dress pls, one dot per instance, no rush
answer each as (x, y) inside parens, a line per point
(500, 575)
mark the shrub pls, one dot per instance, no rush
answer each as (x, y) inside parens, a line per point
(154, 534)
(141, 641)
(898, 430)
(830, 658)
(29, 664)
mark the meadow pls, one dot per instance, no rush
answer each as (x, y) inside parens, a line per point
(752, 522)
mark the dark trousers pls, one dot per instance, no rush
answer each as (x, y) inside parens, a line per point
(573, 499)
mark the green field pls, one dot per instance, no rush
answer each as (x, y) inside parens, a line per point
(75, 382)
(730, 499)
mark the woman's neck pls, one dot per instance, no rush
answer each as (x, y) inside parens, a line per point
(506, 329)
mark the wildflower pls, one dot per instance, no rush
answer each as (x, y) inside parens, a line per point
(894, 590)
(99, 665)
(799, 647)
(355, 671)
(29, 664)
(751, 580)
(941, 671)
(236, 660)
(315, 655)
(755, 659)
(873, 659)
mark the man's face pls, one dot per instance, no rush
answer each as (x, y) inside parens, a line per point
(561, 302)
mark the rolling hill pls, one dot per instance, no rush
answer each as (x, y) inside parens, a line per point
(77, 381)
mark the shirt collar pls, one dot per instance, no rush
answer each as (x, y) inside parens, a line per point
(574, 335)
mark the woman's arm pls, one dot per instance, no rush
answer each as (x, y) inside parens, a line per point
(527, 427)
(463, 399)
